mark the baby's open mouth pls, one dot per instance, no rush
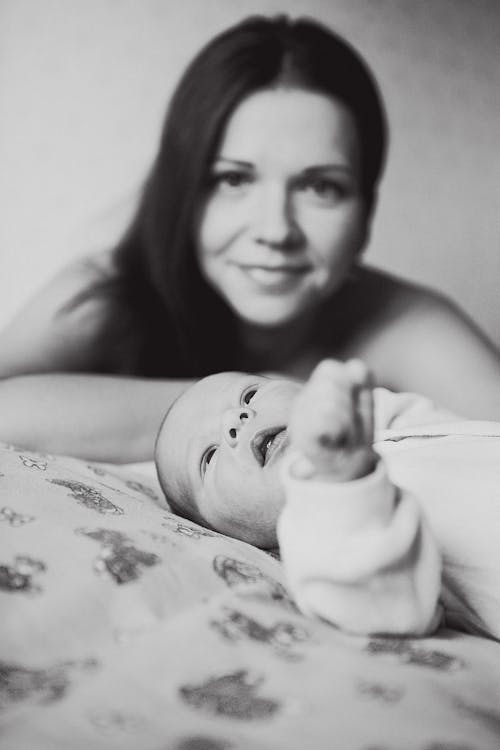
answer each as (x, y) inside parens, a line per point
(268, 443)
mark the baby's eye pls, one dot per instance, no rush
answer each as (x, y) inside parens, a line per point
(248, 395)
(206, 458)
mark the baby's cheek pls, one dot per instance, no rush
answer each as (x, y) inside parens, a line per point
(261, 500)
(273, 497)
(232, 504)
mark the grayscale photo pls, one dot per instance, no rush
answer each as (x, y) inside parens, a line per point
(250, 375)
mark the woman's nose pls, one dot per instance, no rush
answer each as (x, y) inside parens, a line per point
(275, 221)
(232, 422)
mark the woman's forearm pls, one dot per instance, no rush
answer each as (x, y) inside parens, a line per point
(96, 417)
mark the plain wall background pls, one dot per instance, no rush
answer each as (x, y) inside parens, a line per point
(84, 85)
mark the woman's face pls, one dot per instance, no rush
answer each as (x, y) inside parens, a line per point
(285, 216)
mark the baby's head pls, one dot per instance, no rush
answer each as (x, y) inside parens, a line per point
(219, 452)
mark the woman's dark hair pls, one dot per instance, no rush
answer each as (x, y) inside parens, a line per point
(166, 320)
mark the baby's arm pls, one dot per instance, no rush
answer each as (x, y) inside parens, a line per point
(357, 550)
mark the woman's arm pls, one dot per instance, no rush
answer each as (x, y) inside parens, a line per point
(96, 417)
(46, 405)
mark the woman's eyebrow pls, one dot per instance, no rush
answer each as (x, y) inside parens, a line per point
(234, 162)
(333, 167)
(311, 171)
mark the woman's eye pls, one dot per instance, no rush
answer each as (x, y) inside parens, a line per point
(322, 189)
(248, 395)
(231, 181)
(206, 458)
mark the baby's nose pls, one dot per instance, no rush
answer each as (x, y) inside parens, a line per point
(232, 421)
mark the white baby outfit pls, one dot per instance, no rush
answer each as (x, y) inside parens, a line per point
(389, 552)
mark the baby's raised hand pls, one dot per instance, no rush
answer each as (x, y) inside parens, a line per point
(331, 424)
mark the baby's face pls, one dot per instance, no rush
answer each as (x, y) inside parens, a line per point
(219, 453)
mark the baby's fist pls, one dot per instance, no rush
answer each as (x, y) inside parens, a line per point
(331, 423)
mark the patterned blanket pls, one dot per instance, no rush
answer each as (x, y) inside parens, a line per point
(123, 626)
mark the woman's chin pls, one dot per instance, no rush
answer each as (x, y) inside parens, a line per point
(271, 314)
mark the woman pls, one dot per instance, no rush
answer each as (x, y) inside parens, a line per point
(244, 254)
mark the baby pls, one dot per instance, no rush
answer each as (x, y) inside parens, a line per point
(271, 461)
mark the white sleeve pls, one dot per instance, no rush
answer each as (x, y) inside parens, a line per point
(359, 554)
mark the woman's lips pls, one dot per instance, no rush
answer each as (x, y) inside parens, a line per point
(274, 277)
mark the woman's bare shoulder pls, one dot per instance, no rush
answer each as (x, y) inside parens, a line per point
(51, 331)
(379, 306)
(390, 290)
(417, 339)
(394, 303)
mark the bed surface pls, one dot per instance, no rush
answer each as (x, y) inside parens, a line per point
(123, 626)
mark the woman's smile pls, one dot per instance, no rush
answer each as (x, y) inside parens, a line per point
(274, 278)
